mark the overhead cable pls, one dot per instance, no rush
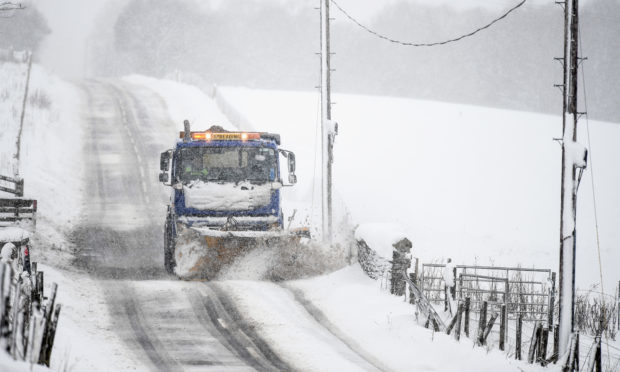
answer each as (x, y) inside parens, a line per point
(413, 44)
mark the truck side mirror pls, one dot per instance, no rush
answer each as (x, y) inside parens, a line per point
(291, 163)
(290, 157)
(164, 177)
(164, 161)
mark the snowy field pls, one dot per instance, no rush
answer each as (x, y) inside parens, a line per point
(476, 184)
(479, 170)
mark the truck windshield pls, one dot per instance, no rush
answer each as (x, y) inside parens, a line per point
(231, 164)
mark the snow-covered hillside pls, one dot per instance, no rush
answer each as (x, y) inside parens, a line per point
(51, 146)
(471, 183)
(465, 182)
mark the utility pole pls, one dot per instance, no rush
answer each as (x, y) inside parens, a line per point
(18, 143)
(573, 163)
(328, 127)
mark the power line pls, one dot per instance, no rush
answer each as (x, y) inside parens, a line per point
(585, 102)
(598, 242)
(407, 43)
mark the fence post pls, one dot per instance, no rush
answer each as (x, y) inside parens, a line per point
(542, 351)
(576, 351)
(39, 284)
(15, 289)
(52, 335)
(31, 332)
(453, 288)
(401, 261)
(488, 328)
(482, 322)
(459, 315)
(49, 308)
(556, 341)
(40, 340)
(466, 325)
(18, 332)
(535, 340)
(597, 355)
(2, 294)
(518, 337)
(502, 328)
(551, 302)
(452, 324)
(412, 298)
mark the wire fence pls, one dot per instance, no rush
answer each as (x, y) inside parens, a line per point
(526, 292)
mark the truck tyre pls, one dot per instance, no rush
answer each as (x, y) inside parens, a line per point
(169, 261)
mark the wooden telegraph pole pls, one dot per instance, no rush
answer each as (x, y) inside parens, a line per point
(573, 163)
(328, 127)
(18, 143)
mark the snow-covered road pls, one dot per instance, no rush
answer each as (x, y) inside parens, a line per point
(169, 324)
(120, 235)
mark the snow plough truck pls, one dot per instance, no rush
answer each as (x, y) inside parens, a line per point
(225, 199)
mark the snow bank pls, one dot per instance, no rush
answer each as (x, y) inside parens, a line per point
(241, 196)
(12, 234)
(185, 102)
(7, 364)
(380, 237)
(383, 327)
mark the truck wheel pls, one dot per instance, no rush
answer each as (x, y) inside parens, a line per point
(169, 261)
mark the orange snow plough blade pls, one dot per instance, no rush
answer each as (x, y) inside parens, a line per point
(201, 253)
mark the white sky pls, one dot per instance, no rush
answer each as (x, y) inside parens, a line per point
(71, 22)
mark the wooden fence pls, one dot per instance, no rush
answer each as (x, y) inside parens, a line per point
(28, 319)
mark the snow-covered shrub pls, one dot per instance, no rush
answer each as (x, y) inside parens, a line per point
(596, 315)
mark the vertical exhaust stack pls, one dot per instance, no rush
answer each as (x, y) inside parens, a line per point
(187, 137)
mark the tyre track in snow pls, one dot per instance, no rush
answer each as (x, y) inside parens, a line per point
(214, 309)
(164, 325)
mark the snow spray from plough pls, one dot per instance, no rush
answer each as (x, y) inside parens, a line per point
(225, 200)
